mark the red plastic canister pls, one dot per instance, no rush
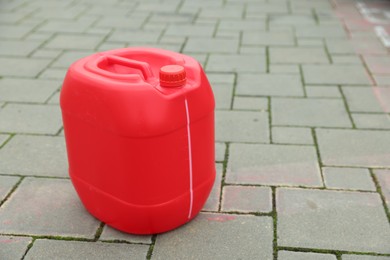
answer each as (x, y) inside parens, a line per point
(139, 130)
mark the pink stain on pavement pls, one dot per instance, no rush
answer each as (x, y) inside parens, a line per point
(221, 218)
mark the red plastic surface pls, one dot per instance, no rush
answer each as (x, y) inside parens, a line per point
(141, 155)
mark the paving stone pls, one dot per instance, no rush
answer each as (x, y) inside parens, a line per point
(18, 48)
(111, 234)
(366, 99)
(111, 45)
(372, 121)
(225, 78)
(323, 91)
(252, 49)
(6, 185)
(133, 22)
(55, 99)
(273, 165)
(269, 85)
(250, 237)
(336, 74)
(346, 59)
(34, 155)
(26, 67)
(224, 12)
(35, 119)
(310, 42)
(268, 38)
(323, 31)
(74, 41)
(11, 31)
(247, 199)
(290, 255)
(12, 247)
(250, 103)
(361, 148)
(223, 94)
(171, 18)
(27, 90)
(3, 137)
(348, 178)
(51, 207)
(135, 36)
(220, 152)
(382, 80)
(205, 45)
(66, 26)
(377, 64)
(279, 7)
(236, 63)
(340, 46)
(309, 112)
(67, 58)
(292, 135)
(295, 20)
(212, 202)
(42, 53)
(242, 25)
(284, 69)
(241, 126)
(335, 220)
(53, 73)
(298, 55)
(190, 30)
(364, 257)
(383, 177)
(46, 249)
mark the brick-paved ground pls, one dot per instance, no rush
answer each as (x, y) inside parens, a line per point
(302, 127)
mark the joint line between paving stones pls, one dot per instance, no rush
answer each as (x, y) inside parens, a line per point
(315, 16)
(151, 248)
(320, 165)
(29, 246)
(179, 6)
(233, 90)
(99, 231)
(379, 191)
(269, 120)
(329, 251)
(267, 60)
(252, 213)
(275, 224)
(344, 98)
(104, 39)
(302, 80)
(2, 202)
(7, 140)
(327, 52)
(224, 169)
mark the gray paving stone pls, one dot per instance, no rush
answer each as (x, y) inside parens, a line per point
(335, 220)
(372, 121)
(171, 18)
(295, 20)
(68, 57)
(336, 74)
(273, 165)
(290, 255)
(348, 178)
(250, 103)
(55, 99)
(11, 31)
(50, 207)
(247, 199)
(66, 26)
(212, 202)
(26, 67)
(268, 38)
(241, 126)
(34, 119)
(223, 94)
(252, 49)
(309, 112)
(3, 137)
(346, 59)
(224, 12)
(269, 85)
(111, 45)
(279, 7)
(111, 234)
(12, 247)
(220, 152)
(133, 22)
(6, 185)
(323, 91)
(190, 30)
(364, 257)
(42, 53)
(301, 55)
(205, 45)
(250, 237)
(366, 99)
(361, 148)
(236, 63)
(46, 249)
(135, 36)
(284, 69)
(383, 177)
(310, 42)
(74, 42)
(34, 155)
(18, 48)
(27, 90)
(242, 25)
(292, 135)
(225, 78)
(53, 73)
(323, 31)
(382, 80)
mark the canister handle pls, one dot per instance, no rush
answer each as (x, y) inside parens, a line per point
(140, 65)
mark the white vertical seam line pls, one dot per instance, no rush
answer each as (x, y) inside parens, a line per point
(189, 156)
